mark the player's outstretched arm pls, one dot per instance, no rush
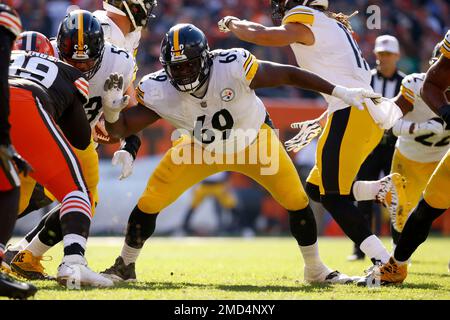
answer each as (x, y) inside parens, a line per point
(131, 121)
(261, 35)
(270, 74)
(436, 83)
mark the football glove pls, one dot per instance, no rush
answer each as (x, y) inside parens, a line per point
(308, 131)
(354, 96)
(223, 23)
(113, 99)
(405, 128)
(125, 159)
(8, 154)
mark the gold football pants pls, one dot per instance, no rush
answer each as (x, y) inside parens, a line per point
(348, 138)
(171, 178)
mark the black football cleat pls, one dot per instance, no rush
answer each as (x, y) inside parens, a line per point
(15, 289)
(120, 272)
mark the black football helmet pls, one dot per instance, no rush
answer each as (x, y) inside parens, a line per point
(138, 11)
(279, 7)
(186, 57)
(81, 42)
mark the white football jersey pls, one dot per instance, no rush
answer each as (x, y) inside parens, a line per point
(114, 35)
(228, 105)
(335, 55)
(115, 60)
(421, 148)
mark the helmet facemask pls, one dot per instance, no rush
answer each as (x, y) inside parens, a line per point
(186, 62)
(81, 44)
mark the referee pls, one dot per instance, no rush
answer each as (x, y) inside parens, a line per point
(386, 80)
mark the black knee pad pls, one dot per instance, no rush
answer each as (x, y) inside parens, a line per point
(313, 191)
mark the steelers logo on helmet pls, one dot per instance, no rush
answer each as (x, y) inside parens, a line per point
(185, 57)
(81, 42)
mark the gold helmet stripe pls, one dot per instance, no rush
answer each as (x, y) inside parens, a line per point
(80, 34)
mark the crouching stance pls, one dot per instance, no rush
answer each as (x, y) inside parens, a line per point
(209, 97)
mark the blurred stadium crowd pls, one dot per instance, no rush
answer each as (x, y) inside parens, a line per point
(418, 24)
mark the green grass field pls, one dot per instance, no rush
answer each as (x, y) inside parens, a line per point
(261, 268)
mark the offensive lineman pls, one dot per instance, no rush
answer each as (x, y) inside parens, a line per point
(210, 95)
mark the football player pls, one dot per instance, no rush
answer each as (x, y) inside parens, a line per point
(98, 59)
(435, 198)
(45, 91)
(322, 42)
(423, 141)
(122, 23)
(210, 96)
(10, 27)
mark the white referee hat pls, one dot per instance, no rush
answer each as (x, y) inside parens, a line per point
(387, 43)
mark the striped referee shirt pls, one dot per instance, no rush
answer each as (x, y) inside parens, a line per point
(387, 87)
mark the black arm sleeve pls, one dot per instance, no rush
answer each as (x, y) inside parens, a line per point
(75, 126)
(6, 40)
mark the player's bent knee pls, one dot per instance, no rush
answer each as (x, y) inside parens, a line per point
(151, 204)
(295, 200)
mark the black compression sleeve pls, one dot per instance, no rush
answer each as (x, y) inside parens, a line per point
(6, 40)
(75, 126)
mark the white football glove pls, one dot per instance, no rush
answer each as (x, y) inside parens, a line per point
(124, 158)
(308, 131)
(405, 128)
(354, 96)
(223, 23)
(113, 99)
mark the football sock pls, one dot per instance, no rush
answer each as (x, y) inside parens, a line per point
(374, 249)
(311, 256)
(74, 244)
(395, 235)
(365, 190)
(303, 226)
(416, 230)
(140, 227)
(75, 218)
(347, 216)
(36, 247)
(129, 254)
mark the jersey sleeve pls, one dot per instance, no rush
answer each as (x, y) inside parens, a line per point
(445, 48)
(410, 87)
(243, 64)
(9, 19)
(129, 68)
(150, 90)
(299, 14)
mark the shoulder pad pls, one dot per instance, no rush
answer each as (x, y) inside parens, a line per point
(445, 48)
(299, 14)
